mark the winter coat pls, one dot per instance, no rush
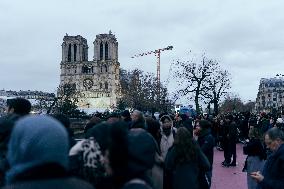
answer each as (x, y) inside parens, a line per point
(45, 177)
(167, 142)
(181, 176)
(254, 161)
(255, 148)
(157, 172)
(273, 171)
(232, 132)
(263, 124)
(38, 155)
(253, 164)
(207, 143)
(6, 125)
(57, 183)
(36, 140)
(142, 149)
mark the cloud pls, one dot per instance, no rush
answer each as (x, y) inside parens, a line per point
(246, 37)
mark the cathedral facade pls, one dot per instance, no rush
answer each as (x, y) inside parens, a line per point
(97, 81)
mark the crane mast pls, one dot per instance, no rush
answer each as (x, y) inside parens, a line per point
(157, 53)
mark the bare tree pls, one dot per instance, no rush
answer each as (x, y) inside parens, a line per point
(218, 84)
(191, 76)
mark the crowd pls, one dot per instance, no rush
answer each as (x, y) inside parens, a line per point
(130, 150)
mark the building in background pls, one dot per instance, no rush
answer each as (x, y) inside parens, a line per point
(270, 96)
(36, 98)
(96, 82)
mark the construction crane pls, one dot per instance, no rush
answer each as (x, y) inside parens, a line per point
(158, 55)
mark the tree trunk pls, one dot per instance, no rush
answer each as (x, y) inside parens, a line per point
(197, 103)
(216, 109)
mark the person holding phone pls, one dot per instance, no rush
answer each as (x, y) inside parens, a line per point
(273, 171)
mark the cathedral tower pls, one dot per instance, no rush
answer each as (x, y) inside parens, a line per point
(74, 48)
(97, 81)
(105, 47)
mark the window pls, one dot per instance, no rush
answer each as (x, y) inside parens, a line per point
(101, 85)
(75, 51)
(106, 68)
(262, 97)
(84, 55)
(269, 95)
(106, 51)
(69, 53)
(106, 85)
(84, 69)
(101, 51)
(101, 69)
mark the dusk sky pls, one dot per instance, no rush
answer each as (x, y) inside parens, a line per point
(245, 37)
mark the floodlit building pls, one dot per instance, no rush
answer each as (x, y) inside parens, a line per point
(96, 81)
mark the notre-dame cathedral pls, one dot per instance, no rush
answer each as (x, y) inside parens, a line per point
(96, 81)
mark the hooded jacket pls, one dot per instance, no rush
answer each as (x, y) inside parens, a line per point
(207, 143)
(38, 155)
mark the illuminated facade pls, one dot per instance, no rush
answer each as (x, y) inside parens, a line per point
(96, 81)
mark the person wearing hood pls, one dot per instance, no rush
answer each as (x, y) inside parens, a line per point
(206, 142)
(38, 155)
(168, 134)
(272, 176)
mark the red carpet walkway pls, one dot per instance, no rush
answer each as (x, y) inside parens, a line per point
(232, 177)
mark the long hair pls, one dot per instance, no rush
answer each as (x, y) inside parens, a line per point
(186, 148)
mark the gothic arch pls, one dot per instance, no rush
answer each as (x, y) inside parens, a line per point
(106, 51)
(101, 51)
(75, 52)
(69, 53)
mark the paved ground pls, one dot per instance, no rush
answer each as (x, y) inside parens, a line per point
(229, 178)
